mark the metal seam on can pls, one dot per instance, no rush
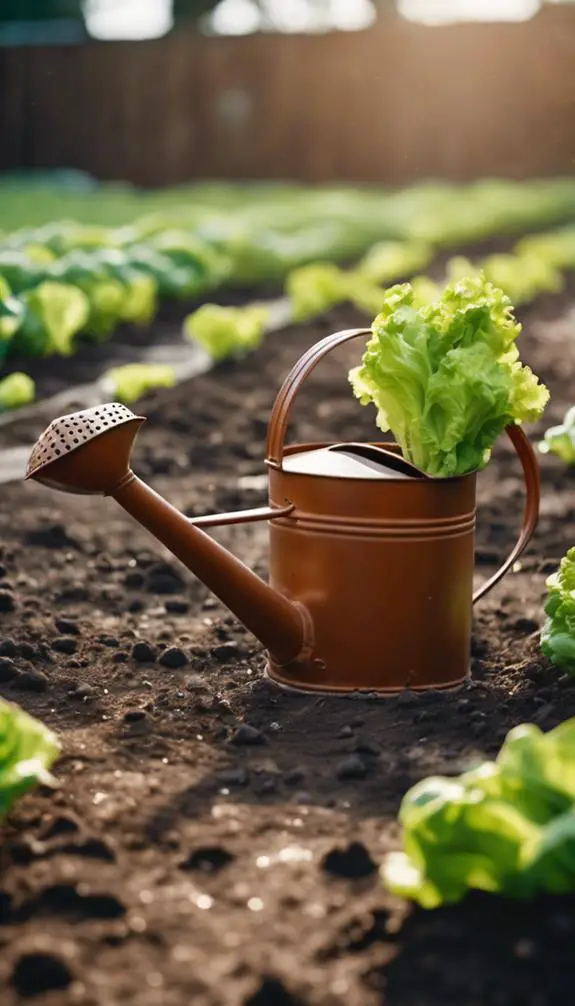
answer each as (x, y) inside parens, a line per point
(420, 530)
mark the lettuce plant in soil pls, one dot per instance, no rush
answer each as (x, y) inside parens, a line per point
(222, 331)
(558, 633)
(445, 376)
(507, 826)
(560, 440)
(131, 381)
(16, 390)
(28, 749)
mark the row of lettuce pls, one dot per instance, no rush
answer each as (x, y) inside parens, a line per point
(64, 282)
(536, 265)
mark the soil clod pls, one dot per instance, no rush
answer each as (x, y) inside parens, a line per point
(246, 735)
(173, 658)
(352, 767)
(36, 973)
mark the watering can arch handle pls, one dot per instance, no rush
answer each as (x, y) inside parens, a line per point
(300, 372)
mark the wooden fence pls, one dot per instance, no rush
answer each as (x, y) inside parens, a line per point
(392, 104)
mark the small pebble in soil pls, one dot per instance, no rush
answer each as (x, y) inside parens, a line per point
(164, 579)
(267, 786)
(8, 648)
(173, 657)
(352, 767)
(2, 570)
(8, 669)
(177, 607)
(247, 735)
(294, 776)
(66, 626)
(303, 797)
(352, 862)
(233, 776)
(210, 859)
(143, 653)
(62, 824)
(120, 657)
(64, 644)
(346, 731)
(37, 972)
(272, 992)
(85, 690)
(7, 601)
(133, 579)
(226, 651)
(368, 748)
(32, 680)
(134, 715)
(524, 949)
(526, 625)
(136, 605)
(28, 651)
(110, 641)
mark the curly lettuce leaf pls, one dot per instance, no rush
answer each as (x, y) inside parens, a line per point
(27, 751)
(445, 377)
(507, 826)
(205, 267)
(11, 315)
(558, 632)
(104, 292)
(225, 331)
(388, 261)
(522, 276)
(53, 315)
(172, 281)
(315, 288)
(16, 390)
(19, 271)
(128, 383)
(560, 440)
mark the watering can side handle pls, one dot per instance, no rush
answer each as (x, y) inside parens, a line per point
(243, 516)
(530, 467)
(290, 388)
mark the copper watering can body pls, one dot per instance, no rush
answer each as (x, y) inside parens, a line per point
(371, 570)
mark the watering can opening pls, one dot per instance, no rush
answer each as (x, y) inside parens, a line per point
(352, 461)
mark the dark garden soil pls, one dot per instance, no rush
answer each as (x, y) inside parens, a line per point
(215, 840)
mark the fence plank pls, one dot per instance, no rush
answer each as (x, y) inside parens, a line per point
(393, 104)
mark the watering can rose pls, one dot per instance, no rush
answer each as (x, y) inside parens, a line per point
(446, 377)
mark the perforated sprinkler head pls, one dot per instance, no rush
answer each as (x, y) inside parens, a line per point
(86, 452)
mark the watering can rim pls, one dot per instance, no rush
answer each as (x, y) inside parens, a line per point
(419, 476)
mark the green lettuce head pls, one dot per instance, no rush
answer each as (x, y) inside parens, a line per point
(560, 440)
(445, 375)
(558, 633)
(506, 826)
(27, 751)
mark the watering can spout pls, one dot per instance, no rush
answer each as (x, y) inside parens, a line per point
(89, 452)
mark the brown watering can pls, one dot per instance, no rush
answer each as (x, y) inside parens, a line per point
(371, 561)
